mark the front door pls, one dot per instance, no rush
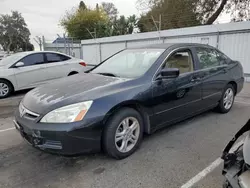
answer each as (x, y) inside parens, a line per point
(179, 97)
(32, 73)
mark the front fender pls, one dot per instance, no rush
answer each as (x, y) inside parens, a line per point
(102, 109)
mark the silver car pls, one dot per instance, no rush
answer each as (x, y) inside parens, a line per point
(29, 69)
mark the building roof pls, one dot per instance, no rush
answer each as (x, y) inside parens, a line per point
(60, 40)
(168, 45)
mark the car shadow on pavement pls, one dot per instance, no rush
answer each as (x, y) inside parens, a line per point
(20, 93)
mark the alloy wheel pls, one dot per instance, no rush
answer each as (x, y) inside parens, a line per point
(127, 134)
(228, 98)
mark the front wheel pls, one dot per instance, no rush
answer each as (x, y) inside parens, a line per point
(227, 99)
(123, 133)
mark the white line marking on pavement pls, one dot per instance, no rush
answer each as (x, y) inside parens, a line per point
(242, 103)
(208, 170)
(7, 129)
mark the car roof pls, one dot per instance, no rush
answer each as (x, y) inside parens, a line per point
(35, 52)
(168, 45)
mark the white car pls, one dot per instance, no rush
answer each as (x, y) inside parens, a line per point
(29, 69)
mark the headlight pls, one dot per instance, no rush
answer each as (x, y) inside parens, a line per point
(67, 114)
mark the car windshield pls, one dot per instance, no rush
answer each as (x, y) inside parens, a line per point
(11, 59)
(131, 63)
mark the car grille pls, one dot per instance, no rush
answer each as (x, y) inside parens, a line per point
(24, 112)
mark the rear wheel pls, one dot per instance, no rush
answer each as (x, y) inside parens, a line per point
(123, 133)
(227, 99)
(5, 89)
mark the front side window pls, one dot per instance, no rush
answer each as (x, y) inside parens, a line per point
(181, 60)
(131, 63)
(210, 58)
(34, 59)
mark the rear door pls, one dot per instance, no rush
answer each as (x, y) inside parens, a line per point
(57, 65)
(32, 73)
(214, 72)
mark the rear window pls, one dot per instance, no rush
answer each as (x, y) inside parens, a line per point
(52, 57)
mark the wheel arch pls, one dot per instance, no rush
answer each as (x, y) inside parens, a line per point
(136, 106)
(234, 84)
(12, 85)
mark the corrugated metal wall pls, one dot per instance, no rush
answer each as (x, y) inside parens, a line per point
(233, 39)
(237, 47)
(111, 48)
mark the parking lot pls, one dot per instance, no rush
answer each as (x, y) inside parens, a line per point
(168, 158)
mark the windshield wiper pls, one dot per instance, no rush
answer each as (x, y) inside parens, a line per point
(107, 74)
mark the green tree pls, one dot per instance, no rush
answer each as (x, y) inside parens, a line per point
(123, 26)
(208, 11)
(82, 6)
(173, 14)
(85, 23)
(185, 13)
(111, 10)
(14, 34)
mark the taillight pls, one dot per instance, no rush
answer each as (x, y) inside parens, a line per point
(83, 64)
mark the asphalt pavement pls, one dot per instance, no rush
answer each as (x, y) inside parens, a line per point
(167, 159)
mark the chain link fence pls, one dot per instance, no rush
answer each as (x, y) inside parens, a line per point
(66, 45)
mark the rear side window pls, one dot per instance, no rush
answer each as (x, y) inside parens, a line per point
(210, 58)
(52, 57)
(34, 59)
(181, 60)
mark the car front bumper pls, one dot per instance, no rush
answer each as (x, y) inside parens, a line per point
(61, 140)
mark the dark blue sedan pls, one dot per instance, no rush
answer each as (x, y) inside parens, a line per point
(136, 91)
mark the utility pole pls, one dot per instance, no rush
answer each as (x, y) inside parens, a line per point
(157, 25)
(43, 41)
(39, 42)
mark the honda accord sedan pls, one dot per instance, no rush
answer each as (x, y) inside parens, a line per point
(136, 91)
(30, 69)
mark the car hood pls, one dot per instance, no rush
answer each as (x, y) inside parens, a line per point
(73, 89)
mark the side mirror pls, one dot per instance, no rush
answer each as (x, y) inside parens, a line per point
(169, 73)
(19, 64)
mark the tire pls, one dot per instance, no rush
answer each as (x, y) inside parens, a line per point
(117, 125)
(222, 107)
(6, 88)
